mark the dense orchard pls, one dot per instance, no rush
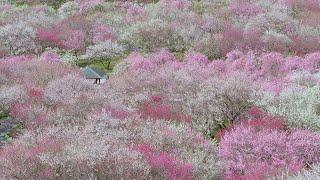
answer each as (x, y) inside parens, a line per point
(210, 89)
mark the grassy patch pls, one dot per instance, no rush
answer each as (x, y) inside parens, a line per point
(3, 114)
(10, 127)
(9, 132)
(15, 130)
(102, 64)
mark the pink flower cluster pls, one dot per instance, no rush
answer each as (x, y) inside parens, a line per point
(248, 153)
(205, 89)
(256, 119)
(173, 168)
(74, 33)
(50, 57)
(156, 109)
(244, 9)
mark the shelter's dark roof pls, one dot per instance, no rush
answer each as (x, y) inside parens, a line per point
(93, 73)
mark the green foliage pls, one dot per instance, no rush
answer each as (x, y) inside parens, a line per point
(3, 114)
(197, 7)
(10, 132)
(54, 3)
(106, 65)
(217, 127)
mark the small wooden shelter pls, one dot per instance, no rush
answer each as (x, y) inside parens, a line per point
(94, 73)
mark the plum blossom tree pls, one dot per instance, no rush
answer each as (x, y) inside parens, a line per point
(18, 38)
(257, 154)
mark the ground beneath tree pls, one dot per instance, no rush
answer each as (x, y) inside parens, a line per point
(8, 128)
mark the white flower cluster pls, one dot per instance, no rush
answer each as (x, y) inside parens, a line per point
(65, 89)
(9, 95)
(103, 50)
(298, 107)
(67, 9)
(18, 38)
